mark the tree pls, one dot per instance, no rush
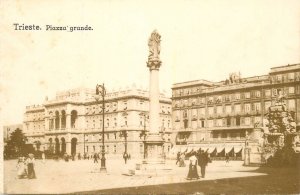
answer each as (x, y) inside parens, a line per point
(16, 144)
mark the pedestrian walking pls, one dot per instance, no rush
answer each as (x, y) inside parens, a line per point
(125, 156)
(177, 157)
(43, 157)
(79, 156)
(193, 173)
(95, 158)
(227, 158)
(21, 168)
(30, 166)
(202, 161)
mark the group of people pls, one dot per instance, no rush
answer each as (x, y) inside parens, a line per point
(25, 167)
(85, 156)
(199, 158)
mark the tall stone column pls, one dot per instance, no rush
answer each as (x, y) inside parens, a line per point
(154, 142)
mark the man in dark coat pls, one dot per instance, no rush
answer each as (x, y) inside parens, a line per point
(125, 156)
(95, 158)
(203, 160)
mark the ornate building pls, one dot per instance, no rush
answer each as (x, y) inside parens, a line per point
(72, 122)
(221, 117)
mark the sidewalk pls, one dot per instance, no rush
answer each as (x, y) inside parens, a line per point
(78, 176)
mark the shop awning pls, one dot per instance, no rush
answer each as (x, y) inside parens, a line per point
(196, 148)
(204, 148)
(189, 149)
(211, 149)
(183, 149)
(237, 149)
(228, 149)
(220, 149)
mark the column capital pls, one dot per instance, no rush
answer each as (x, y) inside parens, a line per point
(153, 64)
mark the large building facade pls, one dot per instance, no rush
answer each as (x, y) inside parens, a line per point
(221, 117)
(72, 122)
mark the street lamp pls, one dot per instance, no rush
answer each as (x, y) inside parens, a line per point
(100, 91)
(123, 133)
(143, 133)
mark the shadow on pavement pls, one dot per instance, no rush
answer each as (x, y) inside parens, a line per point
(276, 181)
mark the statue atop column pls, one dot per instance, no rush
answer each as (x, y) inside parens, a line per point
(154, 46)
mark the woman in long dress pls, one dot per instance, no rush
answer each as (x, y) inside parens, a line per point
(21, 168)
(193, 173)
(30, 166)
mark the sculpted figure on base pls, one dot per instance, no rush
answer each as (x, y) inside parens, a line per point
(154, 46)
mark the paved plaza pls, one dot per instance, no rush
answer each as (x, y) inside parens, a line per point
(82, 175)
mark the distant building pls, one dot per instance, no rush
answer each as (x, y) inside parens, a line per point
(7, 130)
(220, 117)
(72, 122)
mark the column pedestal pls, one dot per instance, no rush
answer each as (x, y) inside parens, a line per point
(154, 150)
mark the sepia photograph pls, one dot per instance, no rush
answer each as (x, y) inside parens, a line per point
(150, 97)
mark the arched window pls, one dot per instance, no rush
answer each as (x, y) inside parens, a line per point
(73, 118)
(50, 120)
(63, 119)
(56, 120)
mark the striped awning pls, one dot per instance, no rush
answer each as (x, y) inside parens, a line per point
(228, 149)
(196, 148)
(220, 149)
(237, 149)
(204, 148)
(211, 149)
(183, 149)
(189, 149)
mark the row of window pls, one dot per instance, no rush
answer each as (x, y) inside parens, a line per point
(36, 126)
(292, 76)
(231, 135)
(222, 122)
(233, 97)
(89, 149)
(229, 109)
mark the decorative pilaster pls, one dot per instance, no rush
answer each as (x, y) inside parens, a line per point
(68, 121)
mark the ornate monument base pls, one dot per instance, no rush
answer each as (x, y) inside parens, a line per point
(154, 151)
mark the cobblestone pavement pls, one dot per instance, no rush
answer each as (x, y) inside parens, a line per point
(83, 175)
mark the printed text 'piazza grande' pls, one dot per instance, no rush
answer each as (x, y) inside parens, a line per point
(34, 27)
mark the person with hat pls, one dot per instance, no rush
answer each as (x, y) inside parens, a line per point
(30, 166)
(202, 161)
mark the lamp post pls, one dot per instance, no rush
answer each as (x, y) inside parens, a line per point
(123, 133)
(83, 143)
(247, 152)
(100, 90)
(143, 133)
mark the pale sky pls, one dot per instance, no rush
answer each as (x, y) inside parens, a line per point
(200, 40)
